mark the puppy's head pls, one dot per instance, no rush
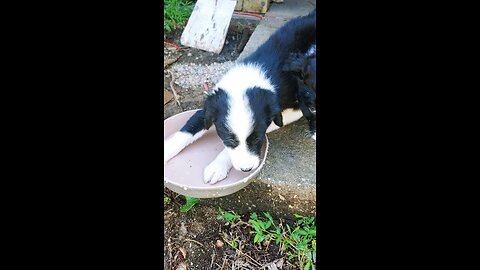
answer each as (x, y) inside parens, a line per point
(241, 107)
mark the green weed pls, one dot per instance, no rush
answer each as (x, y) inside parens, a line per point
(300, 243)
(229, 217)
(190, 202)
(166, 200)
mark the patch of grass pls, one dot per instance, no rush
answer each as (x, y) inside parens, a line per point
(298, 243)
(176, 13)
(190, 202)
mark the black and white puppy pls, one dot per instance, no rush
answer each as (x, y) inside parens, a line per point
(250, 96)
(304, 67)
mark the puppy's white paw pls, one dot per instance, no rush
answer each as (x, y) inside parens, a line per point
(216, 171)
(314, 136)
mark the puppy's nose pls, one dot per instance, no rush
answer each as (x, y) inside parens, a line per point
(246, 169)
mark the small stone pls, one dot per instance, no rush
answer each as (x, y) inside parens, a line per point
(219, 244)
(183, 230)
(189, 54)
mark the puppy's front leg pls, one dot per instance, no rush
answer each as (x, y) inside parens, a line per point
(310, 115)
(218, 169)
(190, 132)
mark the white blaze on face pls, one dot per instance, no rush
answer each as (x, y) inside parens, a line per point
(240, 122)
(240, 119)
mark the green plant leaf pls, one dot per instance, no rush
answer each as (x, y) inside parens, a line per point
(277, 241)
(255, 224)
(261, 223)
(253, 216)
(307, 266)
(267, 215)
(268, 224)
(229, 216)
(257, 238)
(302, 232)
(190, 202)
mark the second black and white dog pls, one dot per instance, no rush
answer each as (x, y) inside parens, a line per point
(250, 96)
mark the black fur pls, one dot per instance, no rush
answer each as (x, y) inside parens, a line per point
(296, 36)
(265, 108)
(215, 106)
(304, 68)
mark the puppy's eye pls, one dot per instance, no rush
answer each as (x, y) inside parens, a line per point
(231, 142)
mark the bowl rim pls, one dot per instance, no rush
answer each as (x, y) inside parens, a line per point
(214, 187)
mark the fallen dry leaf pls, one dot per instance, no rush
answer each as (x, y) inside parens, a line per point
(168, 62)
(167, 96)
(184, 252)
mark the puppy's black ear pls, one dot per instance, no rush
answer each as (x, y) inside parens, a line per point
(209, 113)
(210, 108)
(208, 121)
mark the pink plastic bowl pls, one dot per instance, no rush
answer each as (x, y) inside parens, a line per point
(184, 172)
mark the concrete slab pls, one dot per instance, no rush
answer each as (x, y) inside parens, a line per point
(287, 183)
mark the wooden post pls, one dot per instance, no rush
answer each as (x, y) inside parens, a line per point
(208, 25)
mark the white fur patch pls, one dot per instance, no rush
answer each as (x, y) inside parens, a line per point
(312, 50)
(242, 159)
(289, 116)
(218, 169)
(243, 76)
(177, 143)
